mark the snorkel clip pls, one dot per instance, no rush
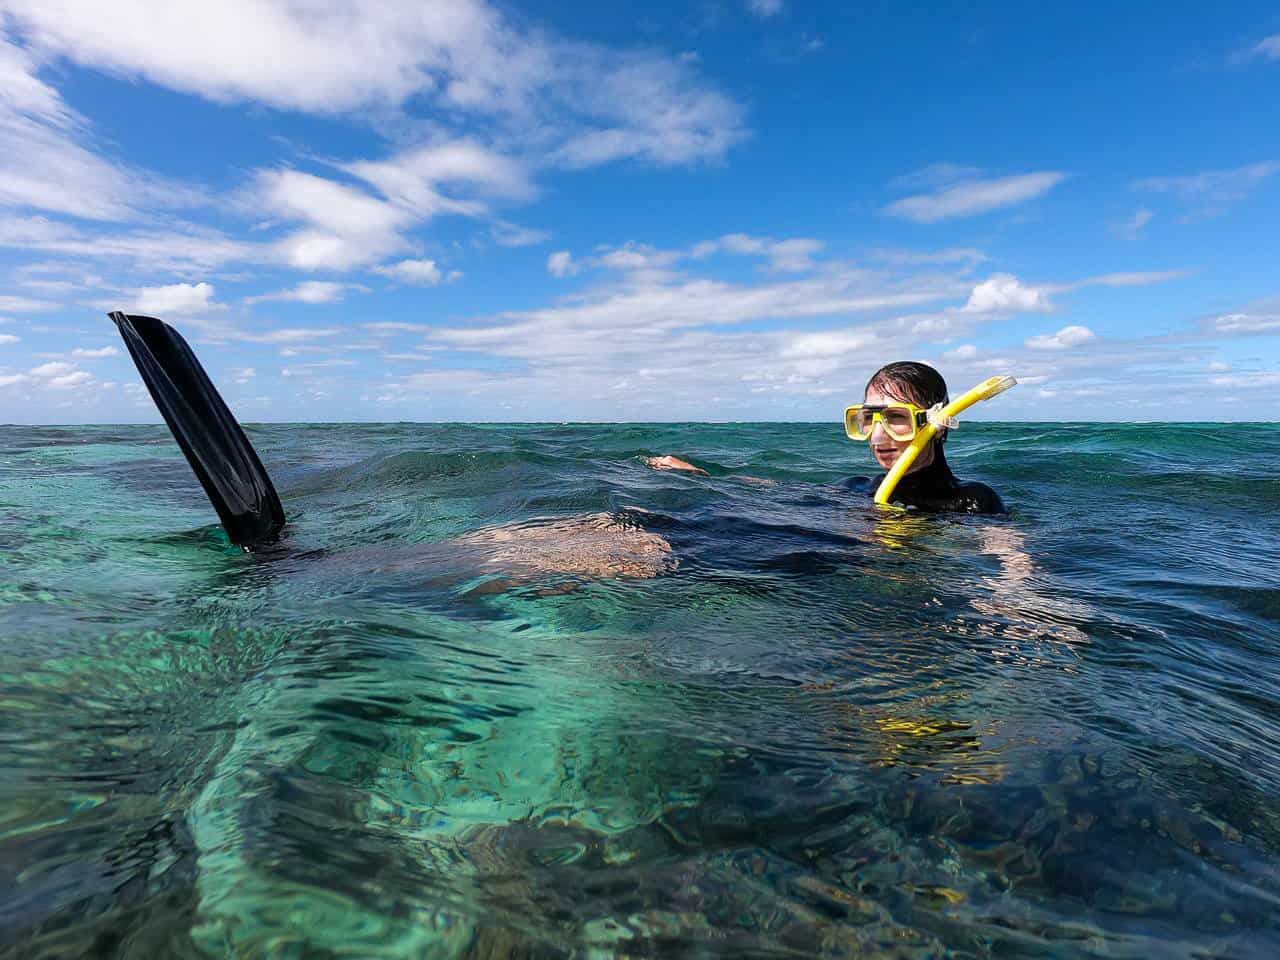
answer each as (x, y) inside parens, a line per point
(936, 415)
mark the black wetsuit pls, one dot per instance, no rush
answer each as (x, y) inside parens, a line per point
(936, 488)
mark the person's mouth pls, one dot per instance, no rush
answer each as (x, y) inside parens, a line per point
(884, 453)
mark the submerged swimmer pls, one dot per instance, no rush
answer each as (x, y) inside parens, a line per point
(895, 407)
(593, 546)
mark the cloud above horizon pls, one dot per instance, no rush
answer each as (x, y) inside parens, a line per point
(968, 196)
(437, 207)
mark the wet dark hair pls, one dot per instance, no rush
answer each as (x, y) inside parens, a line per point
(913, 382)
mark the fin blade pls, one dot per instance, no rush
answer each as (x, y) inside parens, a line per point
(220, 454)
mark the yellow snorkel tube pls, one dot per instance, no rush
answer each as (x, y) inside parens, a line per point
(985, 390)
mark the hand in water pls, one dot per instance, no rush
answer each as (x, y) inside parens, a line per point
(669, 462)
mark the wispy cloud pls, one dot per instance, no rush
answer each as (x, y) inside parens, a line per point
(194, 250)
(1267, 48)
(961, 255)
(971, 197)
(1212, 192)
(16, 304)
(765, 9)
(785, 256)
(46, 156)
(1248, 380)
(513, 235)
(309, 291)
(1131, 229)
(1247, 323)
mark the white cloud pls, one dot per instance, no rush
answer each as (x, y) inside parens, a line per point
(413, 179)
(95, 354)
(583, 103)
(317, 56)
(560, 264)
(193, 250)
(242, 375)
(345, 227)
(1004, 293)
(1247, 380)
(8, 338)
(971, 197)
(309, 291)
(1065, 338)
(785, 256)
(1210, 193)
(422, 273)
(965, 351)
(1247, 323)
(659, 321)
(24, 304)
(76, 378)
(636, 257)
(43, 164)
(175, 298)
(8, 380)
(54, 368)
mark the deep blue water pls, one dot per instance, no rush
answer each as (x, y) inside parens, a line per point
(661, 715)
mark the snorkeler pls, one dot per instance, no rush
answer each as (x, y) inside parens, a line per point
(902, 417)
(896, 405)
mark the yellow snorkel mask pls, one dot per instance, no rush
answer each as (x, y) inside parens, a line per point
(906, 421)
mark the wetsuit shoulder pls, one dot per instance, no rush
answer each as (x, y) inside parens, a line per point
(865, 485)
(975, 497)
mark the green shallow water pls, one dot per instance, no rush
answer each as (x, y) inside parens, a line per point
(827, 731)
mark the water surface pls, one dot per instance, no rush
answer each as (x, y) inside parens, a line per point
(821, 730)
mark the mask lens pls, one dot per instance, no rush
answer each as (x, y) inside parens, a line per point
(858, 422)
(899, 423)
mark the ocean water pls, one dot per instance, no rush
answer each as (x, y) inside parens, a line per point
(661, 715)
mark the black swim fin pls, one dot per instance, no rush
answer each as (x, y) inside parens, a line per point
(220, 454)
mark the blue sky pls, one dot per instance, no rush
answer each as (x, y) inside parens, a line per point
(730, 210)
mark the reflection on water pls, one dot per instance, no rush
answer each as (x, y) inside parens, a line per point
(801, 726)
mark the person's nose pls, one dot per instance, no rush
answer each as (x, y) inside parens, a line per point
(877, 433)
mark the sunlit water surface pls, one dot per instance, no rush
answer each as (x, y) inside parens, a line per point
(825, 730)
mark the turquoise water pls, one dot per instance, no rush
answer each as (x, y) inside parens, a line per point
(810, 729)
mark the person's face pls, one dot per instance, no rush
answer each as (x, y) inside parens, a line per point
(884, 448)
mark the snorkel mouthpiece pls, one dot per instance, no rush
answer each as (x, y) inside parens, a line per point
(939, 417)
